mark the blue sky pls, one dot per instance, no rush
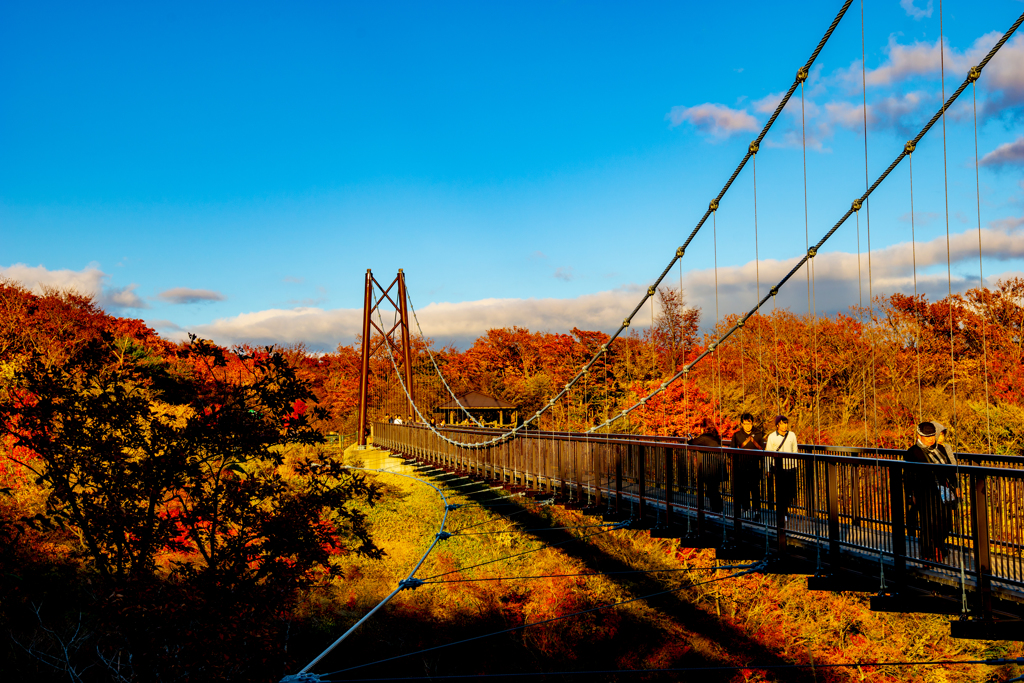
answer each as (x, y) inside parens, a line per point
(233, 168)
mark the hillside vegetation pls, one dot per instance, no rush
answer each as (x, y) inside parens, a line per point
(169, 512)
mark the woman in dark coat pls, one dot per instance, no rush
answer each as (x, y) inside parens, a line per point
(931, 493)
(710, 466)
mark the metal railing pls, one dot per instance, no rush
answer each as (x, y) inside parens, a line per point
(847, 503)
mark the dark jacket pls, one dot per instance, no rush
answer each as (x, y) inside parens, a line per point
(740, 437)
(712, 465)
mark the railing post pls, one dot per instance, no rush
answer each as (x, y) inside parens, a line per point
(980, 538)
(780, 512)
(832, 491)
(618, 480)
(810, 487)
(578, 471)
(669, 454)
(737, 521)
(641, 459)
(897, 505)
(855, 495)
(700, 493)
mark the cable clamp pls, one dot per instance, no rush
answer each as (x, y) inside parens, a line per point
(754, 147)
(679, 252)
(604, 348)
(712, 347)
(857, 204)
(801, 74)
(742, 322)
(443, 535)
(909, 147)
(650, 291)
(974, 74)
(812, 252)
(625, 323)
(713, 205)
(410, 583)
(453, 506)
(774, 291)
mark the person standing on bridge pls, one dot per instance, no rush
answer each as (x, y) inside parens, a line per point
(710, 466)
(747, 469)
(948, 491)
(924, 493)
(783, 440)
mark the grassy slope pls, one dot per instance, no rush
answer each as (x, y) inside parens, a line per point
(753, 619)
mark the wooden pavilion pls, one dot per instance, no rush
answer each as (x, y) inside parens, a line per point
(484, 408)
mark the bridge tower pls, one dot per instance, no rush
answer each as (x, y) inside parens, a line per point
(401, 351)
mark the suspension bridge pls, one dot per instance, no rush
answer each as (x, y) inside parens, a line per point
(852, 524)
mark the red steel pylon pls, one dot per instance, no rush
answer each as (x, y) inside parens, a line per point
(371, 304)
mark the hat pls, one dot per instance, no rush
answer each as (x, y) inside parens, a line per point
(926, 429)
(938, 427)
(781, 418)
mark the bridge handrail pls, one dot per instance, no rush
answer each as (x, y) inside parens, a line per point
(849, 499)
(680, 442)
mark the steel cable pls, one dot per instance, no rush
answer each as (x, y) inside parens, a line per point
(680, 251)
(545, 621)
(814, 249)
(402, 585)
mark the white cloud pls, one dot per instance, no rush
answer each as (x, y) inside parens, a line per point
(1011, 153)
(184, 295)
(768, 103)
(914, 12)
(836, 273)
(90, 281)
(121, 297)
(444, 322)
(835, 288)
(716, 120)
(1005, 77)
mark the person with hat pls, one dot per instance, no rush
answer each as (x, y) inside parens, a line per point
(947, 487)
(783, 440)
(926, 509)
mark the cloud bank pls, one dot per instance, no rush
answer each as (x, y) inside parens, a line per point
(835, 288)
(90, 281)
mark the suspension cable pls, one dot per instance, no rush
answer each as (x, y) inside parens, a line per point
(718, 319)
(680, 251)
(981, 273)
(408, 582)
(812, 251)
(757, 280)
(917, 318)
(949, 258)
(550, 620)
(434, 362)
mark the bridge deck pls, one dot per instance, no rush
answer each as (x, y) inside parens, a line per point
(851, 519)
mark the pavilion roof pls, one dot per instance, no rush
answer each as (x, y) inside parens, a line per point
(475, 399)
